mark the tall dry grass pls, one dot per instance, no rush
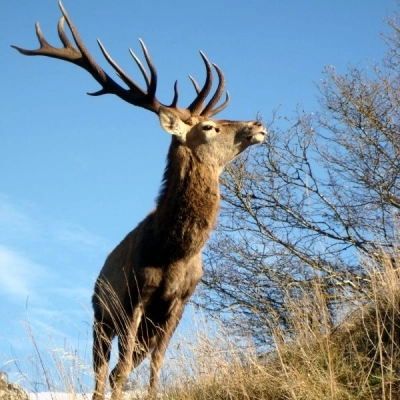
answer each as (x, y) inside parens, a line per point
(358, 358)
(49, 367)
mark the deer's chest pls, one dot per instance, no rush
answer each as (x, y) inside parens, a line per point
(171, 291)
(175, 281)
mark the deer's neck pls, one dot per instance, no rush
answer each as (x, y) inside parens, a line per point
(188, 204)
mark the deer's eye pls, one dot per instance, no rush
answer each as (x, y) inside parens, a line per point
(207, 127)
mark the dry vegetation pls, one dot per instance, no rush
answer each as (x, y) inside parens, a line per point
(11, 391)
(358, 359)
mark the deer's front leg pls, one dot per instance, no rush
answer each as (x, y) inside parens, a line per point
(163, 337)
(126, 344)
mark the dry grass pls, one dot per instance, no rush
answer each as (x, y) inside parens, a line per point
(358, 359)
(51, 368)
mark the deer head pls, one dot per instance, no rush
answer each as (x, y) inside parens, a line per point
(212, 141)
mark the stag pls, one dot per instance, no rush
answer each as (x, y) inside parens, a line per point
(147, 279)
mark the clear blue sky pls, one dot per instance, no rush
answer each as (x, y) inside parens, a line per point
(78, 173)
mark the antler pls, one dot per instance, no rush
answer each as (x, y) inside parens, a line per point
(135, 95)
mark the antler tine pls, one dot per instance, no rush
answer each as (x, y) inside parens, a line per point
(141, 67)
(176, 95)
(61, 33)
(153, 72)
(196, 106)
(43, 42)
(219, 108)
(208, 110)
(195, 84)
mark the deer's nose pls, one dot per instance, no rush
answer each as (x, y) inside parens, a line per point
(257, 123)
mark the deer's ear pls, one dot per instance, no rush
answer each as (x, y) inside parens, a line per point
(172, 123)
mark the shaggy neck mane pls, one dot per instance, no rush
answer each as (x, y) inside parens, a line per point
(187, 205)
